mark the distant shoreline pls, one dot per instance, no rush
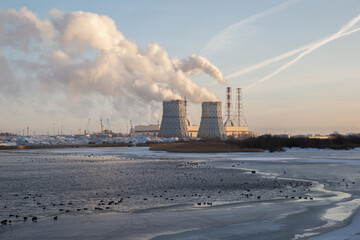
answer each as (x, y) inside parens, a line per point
(253, 144)
(259, 144)
(67, 146)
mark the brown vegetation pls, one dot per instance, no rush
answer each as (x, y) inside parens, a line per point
(273, 143)
(200, 147)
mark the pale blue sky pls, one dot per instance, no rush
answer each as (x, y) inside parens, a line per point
(318, 94)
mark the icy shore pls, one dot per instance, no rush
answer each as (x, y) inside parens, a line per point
(78, 140)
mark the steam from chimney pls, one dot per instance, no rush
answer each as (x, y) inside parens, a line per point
(83, 53)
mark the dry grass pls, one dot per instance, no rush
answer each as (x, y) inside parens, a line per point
(200, 147)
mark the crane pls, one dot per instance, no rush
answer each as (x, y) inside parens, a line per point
(109, 129)
(102, 126)
(87, 131)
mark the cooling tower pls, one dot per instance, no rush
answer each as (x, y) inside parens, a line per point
(173, 123)
(211, 125)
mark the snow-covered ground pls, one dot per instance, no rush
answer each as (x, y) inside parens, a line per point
(78, 140)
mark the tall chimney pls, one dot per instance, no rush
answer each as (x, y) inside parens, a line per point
(228, 121)
(238, 98)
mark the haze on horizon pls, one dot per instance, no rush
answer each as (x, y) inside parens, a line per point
(65, 62)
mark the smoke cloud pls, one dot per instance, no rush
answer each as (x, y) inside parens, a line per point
(197, 64)
(6, 77)
(85, 53)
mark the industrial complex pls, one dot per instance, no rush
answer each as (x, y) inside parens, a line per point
(175, 122)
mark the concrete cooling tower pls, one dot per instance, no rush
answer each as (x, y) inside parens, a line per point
(211, 125)
(173, 123)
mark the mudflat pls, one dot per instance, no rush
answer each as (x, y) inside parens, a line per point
(140, 194)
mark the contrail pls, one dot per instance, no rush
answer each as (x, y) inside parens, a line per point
(310, 49)
(281, 57)
(277, 58)
(221, 40)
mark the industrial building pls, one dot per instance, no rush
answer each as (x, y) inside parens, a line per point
(150, 130)
(153, 130)
(175, 122)
(237, 131)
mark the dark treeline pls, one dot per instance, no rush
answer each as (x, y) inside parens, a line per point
(7, 134)
(272, 143)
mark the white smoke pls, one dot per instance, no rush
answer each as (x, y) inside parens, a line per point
(85, 53)
(6, 77)
(197, 64)
(20, 29)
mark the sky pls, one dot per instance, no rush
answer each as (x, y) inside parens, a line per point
(63, 62)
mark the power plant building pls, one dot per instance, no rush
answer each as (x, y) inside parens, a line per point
(237, 131)
(193, 130)
(153, 130)
(150, 130)
(176, 124)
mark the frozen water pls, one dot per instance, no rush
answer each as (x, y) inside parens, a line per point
(77, 182)
(43, 184)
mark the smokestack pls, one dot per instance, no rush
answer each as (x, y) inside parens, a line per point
(187, 121)
(173, 123)
(228, 121)
(211, 125)
(238, 98)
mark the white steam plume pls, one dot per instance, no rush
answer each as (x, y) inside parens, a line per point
(310, 49)
(197, 64)
(84, 53)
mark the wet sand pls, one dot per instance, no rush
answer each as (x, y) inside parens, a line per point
(159, 196)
